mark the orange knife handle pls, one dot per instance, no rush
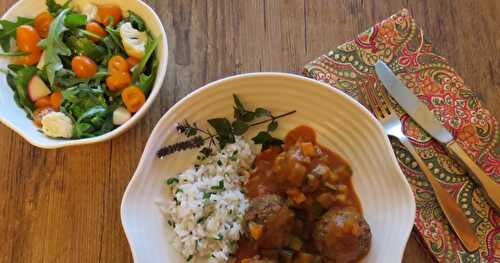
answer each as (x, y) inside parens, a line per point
(490, 188)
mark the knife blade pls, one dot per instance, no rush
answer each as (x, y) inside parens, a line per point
(419, 112)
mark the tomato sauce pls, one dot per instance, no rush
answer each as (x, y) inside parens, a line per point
(310, 177)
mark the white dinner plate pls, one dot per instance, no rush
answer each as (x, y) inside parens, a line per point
(341, 124)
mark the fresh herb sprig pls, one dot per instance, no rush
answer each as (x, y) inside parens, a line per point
(225, 131)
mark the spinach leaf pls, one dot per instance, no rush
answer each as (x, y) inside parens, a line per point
(88, 107)
(79, 99)
(8, 30)
(136, 21)
(150, 48)
(84, 46)
(95, 121)
(54, 46)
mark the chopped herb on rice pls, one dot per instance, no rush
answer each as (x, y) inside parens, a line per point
(200, 200)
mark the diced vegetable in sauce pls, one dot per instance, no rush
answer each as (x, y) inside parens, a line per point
(295, 193)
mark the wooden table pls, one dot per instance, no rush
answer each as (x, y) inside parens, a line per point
(63, 205)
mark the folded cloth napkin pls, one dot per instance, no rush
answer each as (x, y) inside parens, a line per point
(402, 45)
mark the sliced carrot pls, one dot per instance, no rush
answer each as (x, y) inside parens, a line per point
(133, 98)
(256, 230)
(43, 102)
(296, 195)
(326, 200)
(56, 100)
(307, 149)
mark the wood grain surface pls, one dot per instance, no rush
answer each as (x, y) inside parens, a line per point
(63, 205)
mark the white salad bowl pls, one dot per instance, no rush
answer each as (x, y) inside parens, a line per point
(341, 123)
(15, 118)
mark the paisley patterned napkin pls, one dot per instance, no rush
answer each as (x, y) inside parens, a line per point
(401, 44)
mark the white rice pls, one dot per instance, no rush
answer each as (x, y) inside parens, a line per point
(209, 225)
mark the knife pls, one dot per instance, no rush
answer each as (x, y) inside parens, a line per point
(425, 118)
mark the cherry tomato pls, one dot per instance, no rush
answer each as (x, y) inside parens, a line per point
(106, 11)
(56, 100)
(133, 98)
(42, 23)
(39, 113)
(83, 66)
(27, 39)
(117, 64)
(132, 62)
(43, 102)
(118, 81)
(96, 29)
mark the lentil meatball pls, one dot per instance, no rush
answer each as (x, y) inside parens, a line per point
(271, 212)
(342, 235)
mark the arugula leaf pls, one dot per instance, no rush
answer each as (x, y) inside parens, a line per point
(75, 20)
(114, 36)
(136, 21)
(67, 78)
(150, 48)
(54, 8)
(266, 140)
(20, 80)
(13, 54)
(8, 30)
(146, 82)
(54, 46)
(84, 46)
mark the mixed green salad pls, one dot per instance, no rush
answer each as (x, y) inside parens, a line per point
(79, 71)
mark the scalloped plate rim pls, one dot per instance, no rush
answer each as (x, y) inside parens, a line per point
(368, 115)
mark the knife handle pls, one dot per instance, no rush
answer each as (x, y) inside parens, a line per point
(456, 217)
(490, 188)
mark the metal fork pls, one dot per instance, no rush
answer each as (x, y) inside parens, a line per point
(386, 115)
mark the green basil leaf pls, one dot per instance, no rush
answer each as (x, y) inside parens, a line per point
(247, 116)
(239, 127)
(238, 103)
(272, 126)
(261, 112)
(221, 125)
(266, 140)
